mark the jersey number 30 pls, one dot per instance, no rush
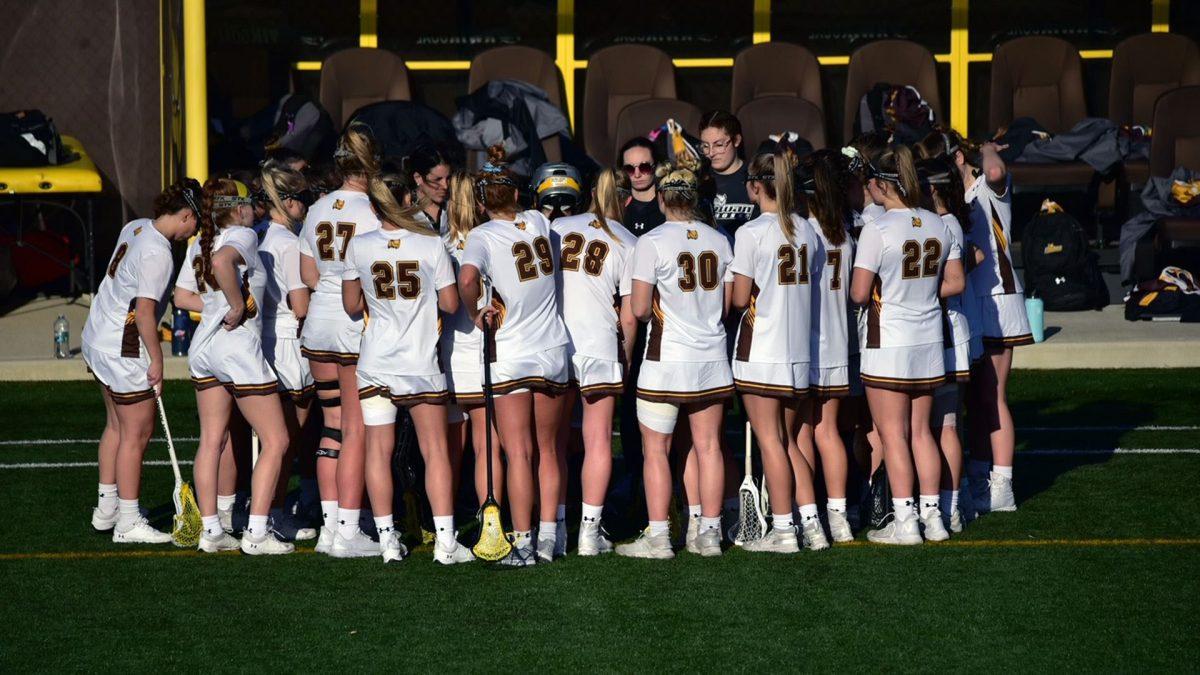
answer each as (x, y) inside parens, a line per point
(325, 235)
(706, 264)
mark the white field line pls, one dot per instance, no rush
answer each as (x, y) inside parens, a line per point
(80, 465)
(1127, 427)
(84, 441)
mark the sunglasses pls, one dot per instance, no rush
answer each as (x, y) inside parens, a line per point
(634, 169)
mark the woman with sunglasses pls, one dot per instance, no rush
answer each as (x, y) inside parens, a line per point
(430, 171)
(638, 159)
(721, 143)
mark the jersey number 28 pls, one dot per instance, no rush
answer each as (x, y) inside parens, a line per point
(593, 255)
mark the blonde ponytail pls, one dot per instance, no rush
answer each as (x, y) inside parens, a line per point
(607, 203)
(390, 210)
(280, 179)
(462, 212)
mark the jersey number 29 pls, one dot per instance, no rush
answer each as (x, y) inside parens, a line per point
(527, 267)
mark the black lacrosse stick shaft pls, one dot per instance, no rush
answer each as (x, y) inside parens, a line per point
(488, 403)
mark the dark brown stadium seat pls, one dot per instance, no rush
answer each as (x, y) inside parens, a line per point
(1143, 68)
(775, 69)
(355, 77)
(639, 117)
(1040, 77)
(617, 76)
(1176, 142)
(516, 62)
(772, 114)
(897, 62)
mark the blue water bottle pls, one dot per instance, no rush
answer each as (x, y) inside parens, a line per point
(181, 334)
(1036, 311)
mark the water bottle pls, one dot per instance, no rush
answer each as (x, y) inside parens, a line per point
(180, 333)
(62, 338)
(1036, 311)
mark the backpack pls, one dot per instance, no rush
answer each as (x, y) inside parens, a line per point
(303, 126)
(28, 138)
(1060, 268)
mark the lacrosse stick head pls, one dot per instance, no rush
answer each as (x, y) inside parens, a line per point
(752, 525)
(492, 544)
(188, 526)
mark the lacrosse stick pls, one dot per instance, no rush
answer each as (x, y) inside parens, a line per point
(253, 448)
(492, 545)
(187, 527)
(752, 525)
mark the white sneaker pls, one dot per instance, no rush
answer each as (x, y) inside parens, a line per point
(325, 540)
(452, 556)
(693, 529)
(592, 541)
(520, 556)
(391, 548)
(839, 527)
(652, 546)
(931, 525)
(560, 539)
(140, 533)
(357, 546)
(781, 540)
(103, 521)
(1001, 493)
(899, 532)
(545, 548)
(226, 518)
(223, 542)
(290, 527)
(707, 543)
(955, 522)
(814, 535)
(269, 544)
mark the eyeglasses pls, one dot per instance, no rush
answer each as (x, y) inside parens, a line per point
(719, 145)
(634, 169)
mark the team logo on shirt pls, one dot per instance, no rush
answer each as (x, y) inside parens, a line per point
(595, 224)
(520, 225)
(916, 222)
(137, 231)
(394, 243)
(338, 204)
(693, 234)
(461, 245)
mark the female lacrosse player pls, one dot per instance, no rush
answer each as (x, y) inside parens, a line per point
(226, 361)
(512, 253)
(906, 260)
(430, 172)
(1005, 325)
(462, 349)
(771, 367)
(330, 343)
(594, 250)
(122, 351)
(833, 341)
(409, 278)
(285, 304)
(679, 286)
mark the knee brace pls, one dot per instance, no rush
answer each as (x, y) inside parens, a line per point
(333, 435)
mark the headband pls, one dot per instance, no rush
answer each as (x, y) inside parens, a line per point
(230, 201)
(951, 146)
(677, 185)
(854, 157)
(760, 177)
(191, 195)
(893, 178)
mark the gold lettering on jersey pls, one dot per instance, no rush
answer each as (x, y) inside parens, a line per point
(338, 204)
(393, 243)
(137, 231)
(916, 222)
(461, 245)
(693, 234)
(520, 225)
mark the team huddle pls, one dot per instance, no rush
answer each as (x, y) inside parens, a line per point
(869, 299)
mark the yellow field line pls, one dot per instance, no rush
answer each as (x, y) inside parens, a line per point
(956, 543)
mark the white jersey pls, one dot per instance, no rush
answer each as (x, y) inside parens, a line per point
(991, 232)
(834, 334)
(279, 252)
(464, 341)
(193, 277)
(401, 274)
(956, 305)
(330, 224)
(687, 263)
(591, 266)
(140, 267)
(518, 259)
(906, 249)
(780, 308)
(871, 212)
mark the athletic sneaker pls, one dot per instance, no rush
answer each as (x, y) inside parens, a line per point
(707, 543)
(269, 544)
(693, 529)
(226, 518)
(103, 521)
(520, 556)
(545, 549)
(291, 528)
(357, 546)
(325, 541)
(954, 523)
(140, 533)
(592, 540)
(932, 527)
(1001, 493)
(898, 532)
(814, 535)
(391, 548)
(452, 556)
(781, 540)
(839, 527)
(223, 542)
(652, 546)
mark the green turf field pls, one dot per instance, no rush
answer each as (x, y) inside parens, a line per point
(1098, 570)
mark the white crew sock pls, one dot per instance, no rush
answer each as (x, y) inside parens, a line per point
(257, 527)
(660, 527)
(948, 501)
(347, 524)
(978, 469)
(1005, 471)
(694, 510)
(838, 505)
(522, 538)
(547, 530)
(808, 513)
(385, 525)
(591, 514)
(329, 510)
(128, 513)
(903, 508)
(707, 523)
(929, 503)
(212, 526)
(781, 521)
(443, 527)
(106, 497)
(226, 502)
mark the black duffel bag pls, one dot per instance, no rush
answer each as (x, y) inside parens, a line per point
(28, 138)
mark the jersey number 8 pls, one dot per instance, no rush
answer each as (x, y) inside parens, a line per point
(403, 280)
(325, 234)
(914, 267)
(527, 267)
(706, 263)
(593, 257)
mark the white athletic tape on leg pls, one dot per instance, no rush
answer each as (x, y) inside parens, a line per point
(378, 411)
(658, 416)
